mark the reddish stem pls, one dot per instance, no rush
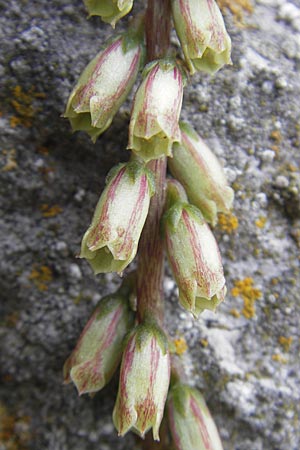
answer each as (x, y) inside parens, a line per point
(158, 26)
(150, 271)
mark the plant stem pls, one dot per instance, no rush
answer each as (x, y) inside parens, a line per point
(158, 26)
(150, 271)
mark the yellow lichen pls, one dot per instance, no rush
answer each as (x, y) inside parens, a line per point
(237, 8)
(285, 342)
(180, 345)
(50, 211)
(204, 342)
(228, 222)
(276, 136)
(261, 222)
(245, 289)
(11, 162)
(14, 431)
(41, 277)
(235, 313)
(23, 105)
(279, 358)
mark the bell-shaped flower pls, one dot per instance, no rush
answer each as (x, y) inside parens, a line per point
(154, 119)
(204, 40)
(103, 86)
(144, 382)
(190, 422)
(111, 241)
(110, 10)
(99, 349)
(199, 171)
(194, 258)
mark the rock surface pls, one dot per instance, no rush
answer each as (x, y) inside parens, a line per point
(245, 358)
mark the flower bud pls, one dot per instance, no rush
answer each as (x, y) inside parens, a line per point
(200, 27)
(110, 10)
(144, 382)
(103, 87)
(199, 171)
(156, 109)
(191, 424)
(194, 258)
(99, 349)
(111, 241)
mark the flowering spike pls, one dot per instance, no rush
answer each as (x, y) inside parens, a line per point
(201, 174)
(155, 114)
(110, 10)
(111, 241)
(99, 349)
(103, 87)
(200, 27)
(191, 424)
(144, 382)
(195, 259)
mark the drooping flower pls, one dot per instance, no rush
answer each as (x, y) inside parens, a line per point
(103, 87)
(110, 10)
(199, 171)
(194, 258)
(190, 422)
(98, 351)
(111, 241)
(154, 120)
(204, 40)
(144, 382)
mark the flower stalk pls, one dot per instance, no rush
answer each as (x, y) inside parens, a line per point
(142, 213)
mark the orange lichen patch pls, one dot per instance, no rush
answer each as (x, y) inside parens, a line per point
(237, 7)
(180, 345)
(204, 342)
(276, 136)
(50, 211)
(14, 431)
(41, 277)
(43, 150)
(228, 222)
(245, 289)
(285, 342)
(12, 319)
(11, 163)
(235, 313)
(23, 105)
(279, 358)
(292, 168)
(261, 222)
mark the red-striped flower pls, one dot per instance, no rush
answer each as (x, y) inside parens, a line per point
(156, 109)
(111, 241)
(190, 422)
(98, 351)
(104, 86)
(194, 258)
(199, 171)
(204, 40)
(144, 382)
(110, 10)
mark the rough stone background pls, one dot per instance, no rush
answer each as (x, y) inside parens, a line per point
(247, 367)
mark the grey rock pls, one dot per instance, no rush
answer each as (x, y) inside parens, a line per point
(51, 179)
